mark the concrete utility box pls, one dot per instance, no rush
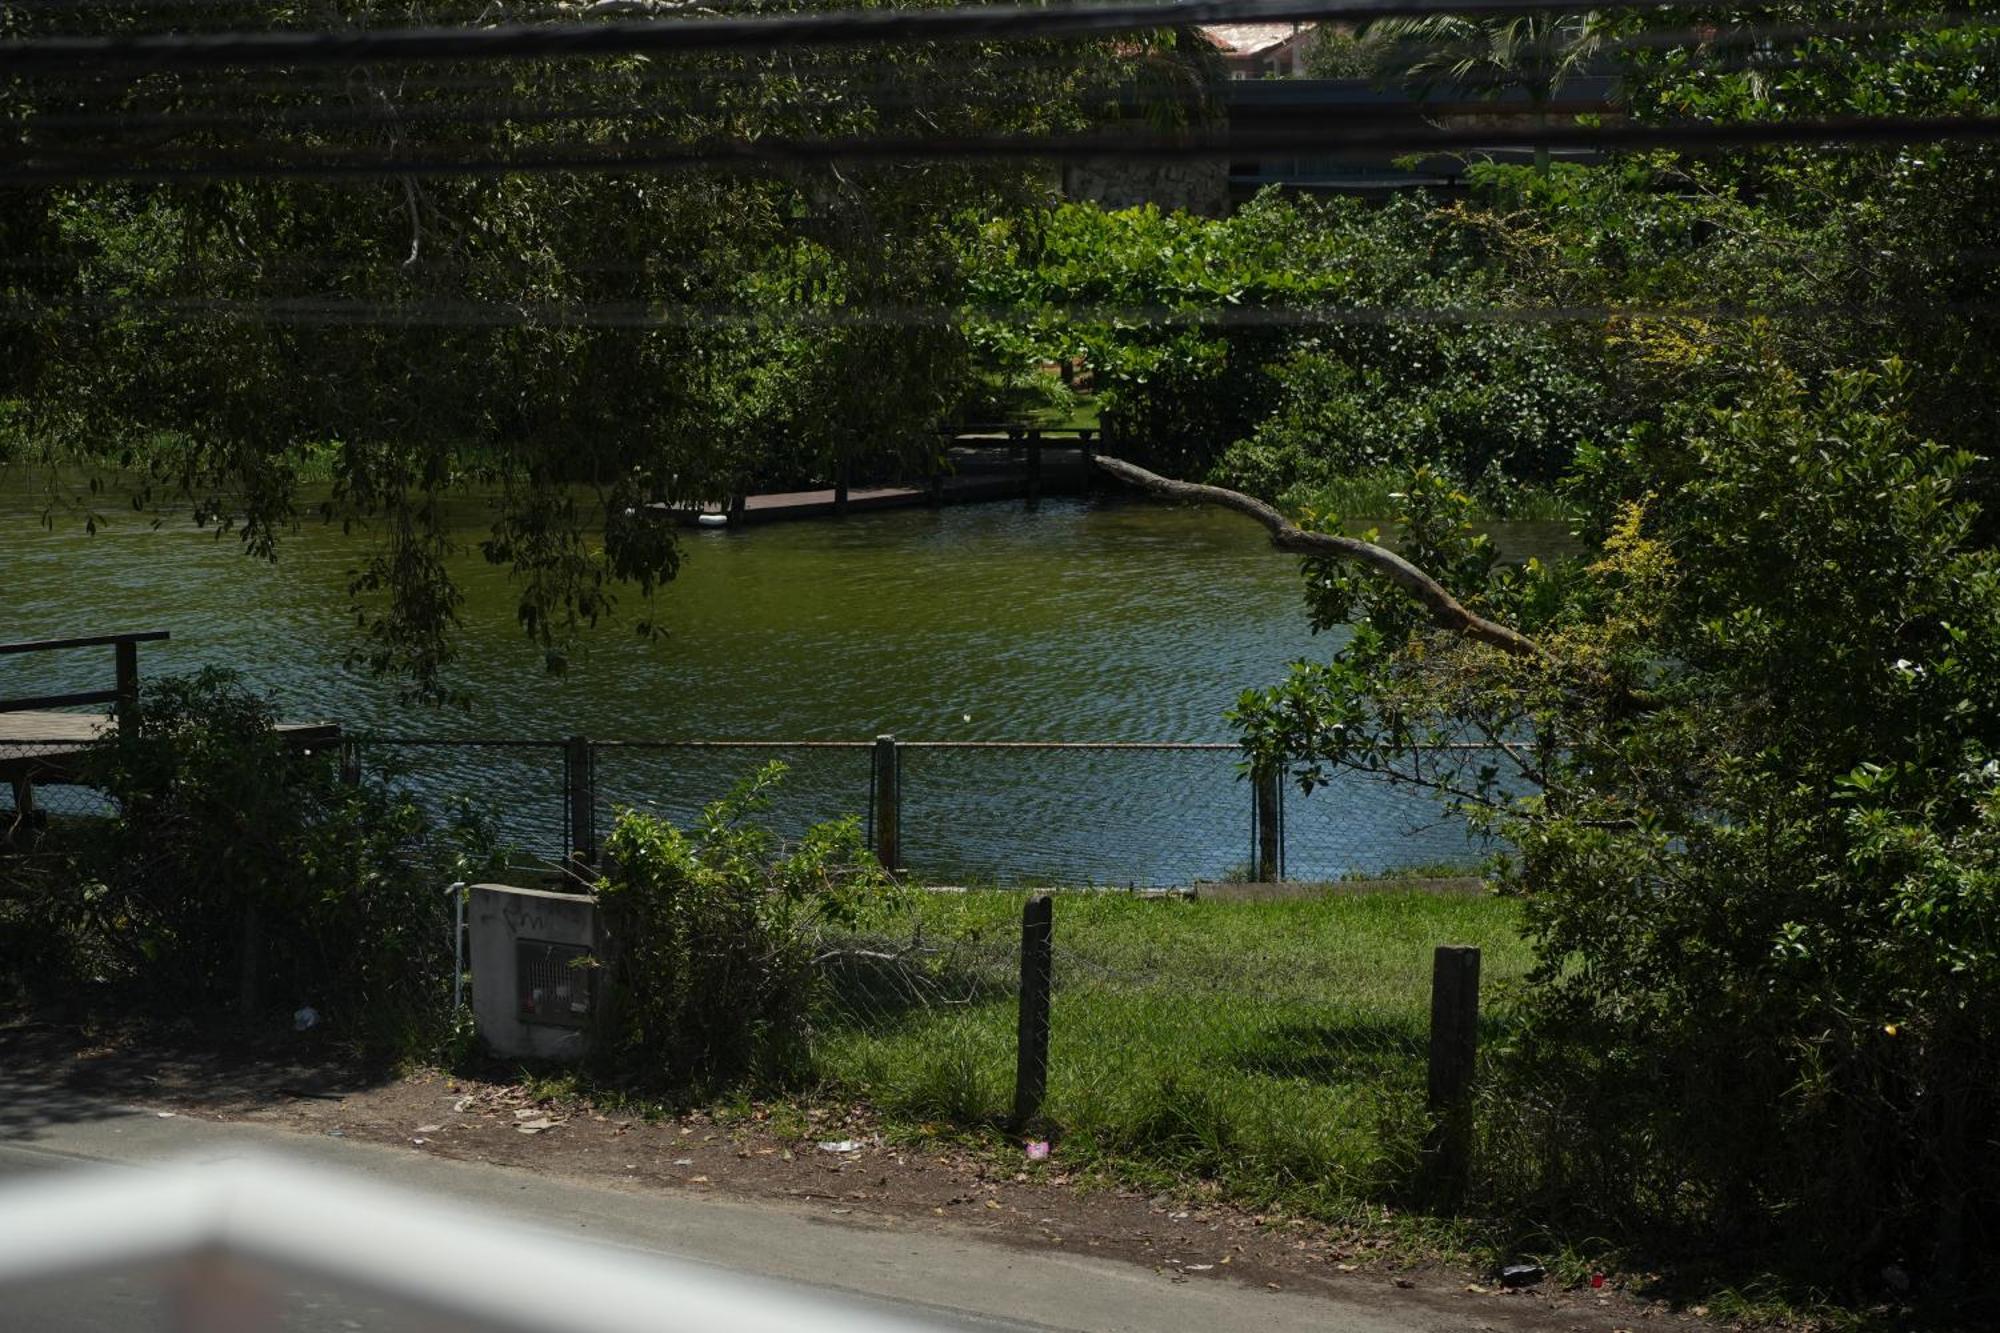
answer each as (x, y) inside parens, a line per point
(535, 986)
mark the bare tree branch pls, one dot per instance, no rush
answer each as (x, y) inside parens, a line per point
(1286, 535)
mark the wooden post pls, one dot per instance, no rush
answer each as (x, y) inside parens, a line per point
(350, 763)
(1031, 1065)
(582, 794)
(1034, 469)
(1454, 1048)
(888, 803)
(1269, 799)
(737, 504)
(840, 488)
(128, 681)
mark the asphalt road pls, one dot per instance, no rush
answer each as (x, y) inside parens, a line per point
(938, 1279)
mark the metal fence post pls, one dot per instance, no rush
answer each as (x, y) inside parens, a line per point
(1454, 1048)
(1031, 1064)
(1270, 803)
(888, 803)
(127, 657)
(581, 788)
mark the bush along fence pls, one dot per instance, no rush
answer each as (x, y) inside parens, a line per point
(1123, 814)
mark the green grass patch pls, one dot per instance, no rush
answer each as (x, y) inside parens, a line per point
(1275, 1049)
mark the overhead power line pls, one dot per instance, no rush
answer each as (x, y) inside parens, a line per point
(1209, 143)
(956, 23)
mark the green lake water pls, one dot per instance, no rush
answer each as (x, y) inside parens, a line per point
(1088, 620)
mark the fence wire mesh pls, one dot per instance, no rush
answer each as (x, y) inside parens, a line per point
(916, 1009)
(1211, 1032)
(515, 790)
(675, 780)
(970, 813)
(1363, 824)
(1079, 814)
(1212, 1044)
(40, 782)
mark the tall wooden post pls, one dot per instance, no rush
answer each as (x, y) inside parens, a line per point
(737, 504)
(1269, 799)
(1454, 1049)
(888, 803)
(581, 787)
(1034, 469)
(1031, 1063)
(128, 682)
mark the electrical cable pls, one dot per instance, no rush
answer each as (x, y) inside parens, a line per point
(954, 23)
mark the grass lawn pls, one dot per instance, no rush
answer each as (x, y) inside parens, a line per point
(1275, 1049)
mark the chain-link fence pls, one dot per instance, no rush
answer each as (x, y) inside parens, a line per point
(674, 779)
(42, 781)
(1296, 1041)
(514, 792)
(1139, 815)
(1360, 824)
(1126, 815)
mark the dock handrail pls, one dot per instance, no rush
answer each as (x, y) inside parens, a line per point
(124, 693)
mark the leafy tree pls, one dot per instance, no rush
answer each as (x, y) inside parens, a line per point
(577, 345)
(1491, 55)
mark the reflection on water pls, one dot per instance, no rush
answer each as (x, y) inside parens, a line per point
(1087, 620)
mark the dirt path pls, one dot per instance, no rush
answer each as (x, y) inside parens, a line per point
(829, 1161)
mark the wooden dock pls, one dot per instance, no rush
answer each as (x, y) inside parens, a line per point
(44, 745)
(51, 749)
(976, 468)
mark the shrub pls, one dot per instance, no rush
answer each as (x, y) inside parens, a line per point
(239, 866)
(715, 936)
(1761, 857)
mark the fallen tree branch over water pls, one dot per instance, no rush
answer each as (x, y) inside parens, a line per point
(1445, 609)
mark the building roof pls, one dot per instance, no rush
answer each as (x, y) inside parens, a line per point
(1247, 39)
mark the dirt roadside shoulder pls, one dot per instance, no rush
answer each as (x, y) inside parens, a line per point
(828, 1163)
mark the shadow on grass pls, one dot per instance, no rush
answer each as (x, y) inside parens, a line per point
(1333, 1053)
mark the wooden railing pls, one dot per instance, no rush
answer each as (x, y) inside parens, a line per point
(123, 694)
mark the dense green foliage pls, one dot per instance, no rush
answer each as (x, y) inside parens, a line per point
(1292, 343)
(578, 344)
(715, 937)
(1748, 780)
(236, 868)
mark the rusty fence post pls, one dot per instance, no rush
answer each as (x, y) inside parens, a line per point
(1267, 795)
(580, 790)
(888, 807)
(127, 657)
(1454, 1048)
(1031, 1063)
